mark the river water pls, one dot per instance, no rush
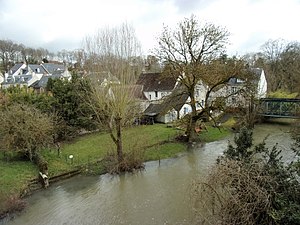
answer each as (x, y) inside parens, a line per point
(158, 195)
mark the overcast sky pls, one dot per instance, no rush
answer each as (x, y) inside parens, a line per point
(62, 24)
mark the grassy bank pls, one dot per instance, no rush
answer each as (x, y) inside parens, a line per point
(90, 148)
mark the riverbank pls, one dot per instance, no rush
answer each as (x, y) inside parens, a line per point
(88, 151)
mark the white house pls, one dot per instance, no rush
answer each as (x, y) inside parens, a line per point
(28, 75)
(156, 86)
(237, 90)
(166, 100)
(261, 91)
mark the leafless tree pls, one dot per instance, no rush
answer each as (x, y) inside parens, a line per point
(282, 64)
(8, 50)
(112, 50)
(191, 53)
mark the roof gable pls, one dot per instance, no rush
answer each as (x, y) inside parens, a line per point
(15, 68)
(52, 67)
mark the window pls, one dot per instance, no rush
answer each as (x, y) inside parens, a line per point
(156, 94)
(185, 110)
(197, 92)
(149, 97)
(233, 90)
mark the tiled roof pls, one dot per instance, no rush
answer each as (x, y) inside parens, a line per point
(18, 79)
(44, 80)
(15, 68)
(156, 82)
(174, 101)
(36, 68)
(154, 109)
(52, 67)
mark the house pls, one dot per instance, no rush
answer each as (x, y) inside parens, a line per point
(40, 85)
(57, 69)
(29, 75)
(169, 110)
(23, 75)
(166, 98)
(261, 83)
(237, 90)
(155, 86)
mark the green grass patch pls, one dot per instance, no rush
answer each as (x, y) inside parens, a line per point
(92, 147)
(14, 177)
(213, 134)
(282, 94)
(229, 123)
(164, 151)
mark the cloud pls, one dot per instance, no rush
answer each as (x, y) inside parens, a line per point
(63, 24)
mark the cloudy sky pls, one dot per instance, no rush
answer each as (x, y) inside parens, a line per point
(62, 24)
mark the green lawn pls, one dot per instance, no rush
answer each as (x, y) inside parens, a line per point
(213, 134)
(92, 147)
(14, 177)
(164, 151)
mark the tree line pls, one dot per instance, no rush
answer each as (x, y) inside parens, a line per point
(279, 58)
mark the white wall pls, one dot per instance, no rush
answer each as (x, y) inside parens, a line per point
(153, 96)
(262, 86)
(200, 93)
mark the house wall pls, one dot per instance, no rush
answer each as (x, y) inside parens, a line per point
(185, 109)
(259, 88)
(262, 86)
(152, 95)
(168, 117)
(200, 93)
(35, 77)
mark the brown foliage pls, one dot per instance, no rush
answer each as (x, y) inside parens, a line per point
(12, 205)
(232, 194)
(133, 160)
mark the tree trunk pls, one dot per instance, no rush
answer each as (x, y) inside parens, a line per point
(119, 140)
(191, 133)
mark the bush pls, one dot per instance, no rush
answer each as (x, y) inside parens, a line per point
(12, 205)
(249, 186)
(132, 160)
(24, 129)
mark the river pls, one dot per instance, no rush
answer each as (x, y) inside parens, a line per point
(157, 195)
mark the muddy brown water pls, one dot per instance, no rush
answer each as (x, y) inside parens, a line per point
(158, 195)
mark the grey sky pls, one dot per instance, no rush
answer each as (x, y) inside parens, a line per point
(62, 24)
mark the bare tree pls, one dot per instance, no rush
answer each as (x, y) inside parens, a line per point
(282, 64)
(8, 50)
(191, 53)
(112, 50)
